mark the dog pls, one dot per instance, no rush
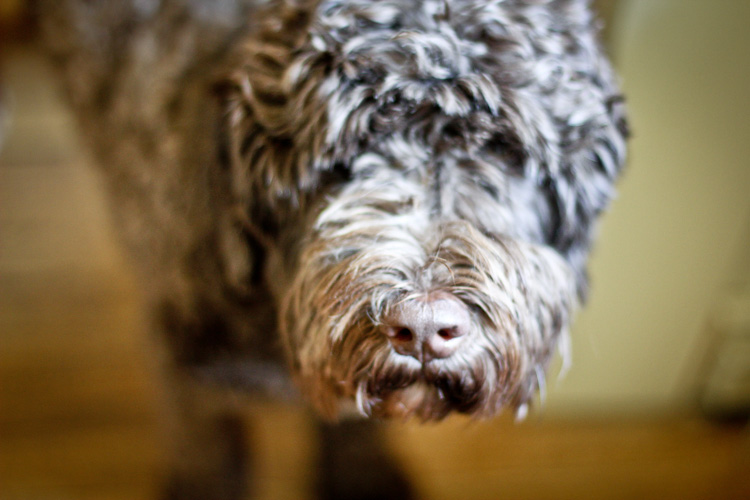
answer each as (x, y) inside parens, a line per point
(383, 206)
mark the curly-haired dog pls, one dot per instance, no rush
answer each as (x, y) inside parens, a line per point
(390, 201)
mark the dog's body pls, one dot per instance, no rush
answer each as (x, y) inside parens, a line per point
(394, 200)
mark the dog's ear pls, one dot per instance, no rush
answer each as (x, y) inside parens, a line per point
(274, 122)
(582, 185)
(591, 129)
(243, 232)
(561, 118)
(265, 157)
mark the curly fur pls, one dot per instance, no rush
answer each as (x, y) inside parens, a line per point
(361, 154)
(475, 137)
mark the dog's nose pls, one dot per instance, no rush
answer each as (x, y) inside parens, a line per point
(428, 328)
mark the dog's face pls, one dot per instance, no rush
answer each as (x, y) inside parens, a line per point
(426, 176)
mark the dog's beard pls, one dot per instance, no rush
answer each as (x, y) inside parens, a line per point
(520, 295)
(404, 388)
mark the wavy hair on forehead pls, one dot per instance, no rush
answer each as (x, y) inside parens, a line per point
(522, 83)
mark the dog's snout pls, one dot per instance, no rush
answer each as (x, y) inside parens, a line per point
(428, 328)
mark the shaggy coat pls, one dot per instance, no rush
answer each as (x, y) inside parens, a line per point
(287, 174)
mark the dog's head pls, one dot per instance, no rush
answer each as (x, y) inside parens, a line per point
(424, 176)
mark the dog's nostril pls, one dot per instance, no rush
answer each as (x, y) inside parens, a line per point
(403, 334)
(449, 333)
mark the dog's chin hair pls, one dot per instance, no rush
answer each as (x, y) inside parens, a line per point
(428, 394)
(419, 400)
(521, 297)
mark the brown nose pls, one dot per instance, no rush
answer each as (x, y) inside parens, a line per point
(428, 328)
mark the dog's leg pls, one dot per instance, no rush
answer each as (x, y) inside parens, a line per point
(208, 453)
(354, 464)
(207, 447)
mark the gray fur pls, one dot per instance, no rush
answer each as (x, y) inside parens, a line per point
(285, 173)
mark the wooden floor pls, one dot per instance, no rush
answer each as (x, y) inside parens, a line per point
(79, 402)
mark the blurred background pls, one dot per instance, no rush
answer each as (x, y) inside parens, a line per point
(654, 406)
